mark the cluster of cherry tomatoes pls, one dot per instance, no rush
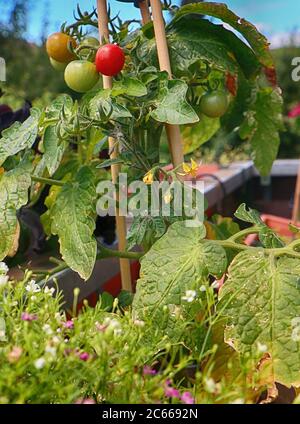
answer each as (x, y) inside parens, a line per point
(82, 74)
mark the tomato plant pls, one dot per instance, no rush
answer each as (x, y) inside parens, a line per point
(110, 60)
(260, 296)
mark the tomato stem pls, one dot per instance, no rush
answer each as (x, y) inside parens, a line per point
(47, 181)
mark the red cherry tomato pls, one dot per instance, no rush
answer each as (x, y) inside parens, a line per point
(110, 60)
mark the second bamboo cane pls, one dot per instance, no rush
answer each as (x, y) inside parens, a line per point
(173, 131)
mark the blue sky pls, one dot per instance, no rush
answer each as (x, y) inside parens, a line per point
(275, 18)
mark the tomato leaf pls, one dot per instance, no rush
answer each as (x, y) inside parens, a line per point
(171, 104)
(129, 86)
(261, 126)
(14, 187)
(177, 262)
(103, 102)
(62, 102)
(267, 237)
(71, 220)
(261, 302)
(257, 41)
(196, 135)
(143, 224)
(54, 149)
(19, 136)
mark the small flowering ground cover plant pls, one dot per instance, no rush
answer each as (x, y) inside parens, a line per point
(212, 320)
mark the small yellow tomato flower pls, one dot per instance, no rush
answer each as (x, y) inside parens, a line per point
(168, 197)
(148, 178)
(190, 169)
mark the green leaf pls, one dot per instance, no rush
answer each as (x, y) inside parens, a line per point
(171, 104)
(54, 149)
(261, 126)
(125, 298)
(177, 262)
(261, 302)
(193, 39)
(110, 162)
(257, 41)
(106, 301)
(142, 227)
(102, 102)
(248, 215)
(196, 135)
(72, 221)
(267, 237)
(221, 228)
(19, 136)
(62, 102)
(294, 228)
(14, 186)
(198, 40)
(129, 86)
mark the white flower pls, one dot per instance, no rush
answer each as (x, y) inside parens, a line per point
(210, 385)
(32, 287)
(51, 350)
(139, 323)
(189, 296)
(33, 298)
(49, 290)
(113, 324)
(47, 329)
(262, 347)
(202, 288)
(40, 363)
(55, 340)
(3, 280)
(3, 268)
(215, 284)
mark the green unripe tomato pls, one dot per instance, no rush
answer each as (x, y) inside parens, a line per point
(214, 104)
(81, 75)
(58, 66)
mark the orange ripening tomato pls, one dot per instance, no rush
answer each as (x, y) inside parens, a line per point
(57, 47)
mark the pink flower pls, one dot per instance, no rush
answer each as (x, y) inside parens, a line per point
(148, 370)
(15, 354)
(84, 356)
(85, 401)
(69, 324)
(28, 317)
(187, 398)
(171, 391)
(295, 112)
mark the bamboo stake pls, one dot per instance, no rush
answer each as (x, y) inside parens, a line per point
(145, 13)
(296, 208)
(173, 131)
(115, 169)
